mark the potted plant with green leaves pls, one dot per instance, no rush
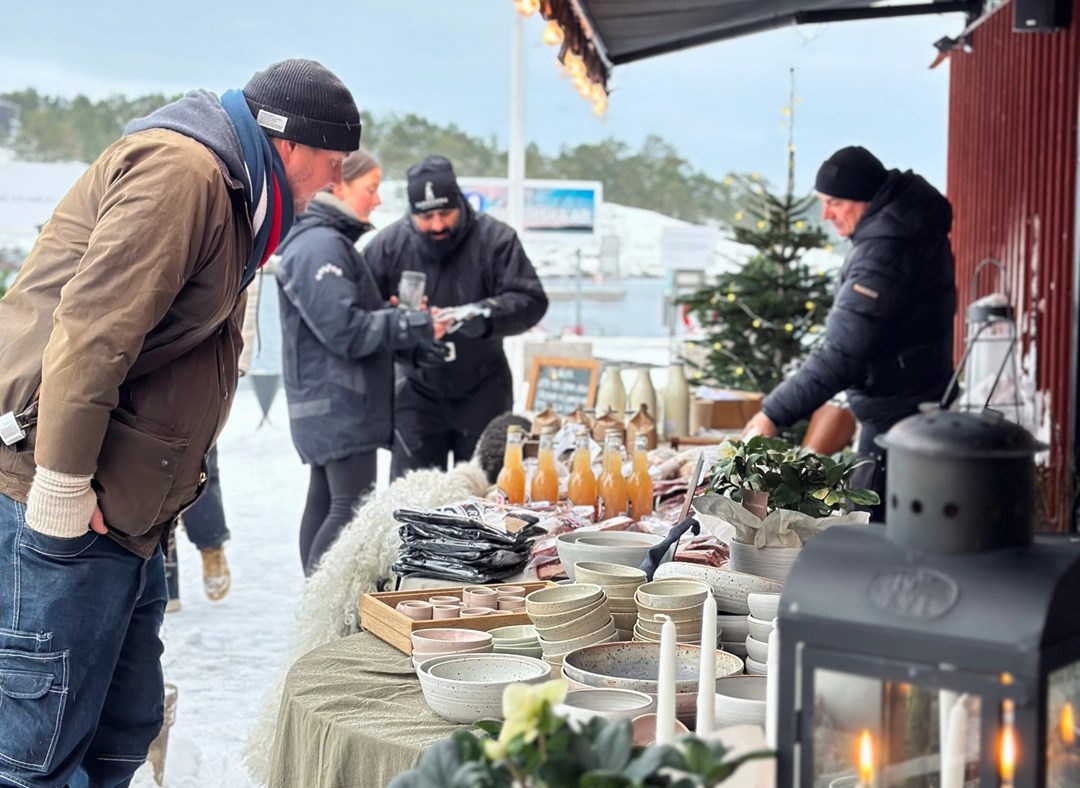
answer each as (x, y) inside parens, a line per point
(776, 495)
(535, 747)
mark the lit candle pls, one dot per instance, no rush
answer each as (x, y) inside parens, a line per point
(1067, 725)
(706, 690)
(1007, 759)
(665, 683)
(955, 753)
(866, 760)
(772, 688)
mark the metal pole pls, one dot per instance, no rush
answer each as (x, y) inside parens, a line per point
(516, 148)
(578, 328)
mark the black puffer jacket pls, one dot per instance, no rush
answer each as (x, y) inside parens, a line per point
(338, 337)
(889, 336)
(484, 261)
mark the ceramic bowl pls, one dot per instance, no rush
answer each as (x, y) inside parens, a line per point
(759, 629)
(612, 547)
(740, 700)
(438, 639)
(731, 589)
(558, 619)
(672, 594)
(589, 621)
(562, 599)
(611, 704)
(512, 603)
(536, 652)
(623, 592)
(734, 627)
(510, 635)
(682, 628)
(757, 650)
(481, 598)
(771, 562)
(755, 668)
(511, 591)
(468, 688)
(732, 647)
(676, 614)
(685, 702)
(604, 634)
(645, 729)
(608, 574)
(635, 666)
(473, 612)
(424, 656)
(764, 606)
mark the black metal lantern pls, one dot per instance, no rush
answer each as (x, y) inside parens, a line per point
(943, 649)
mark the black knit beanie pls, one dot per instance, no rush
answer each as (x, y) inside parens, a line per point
(433, 185)
(302, 101)
(852, 173)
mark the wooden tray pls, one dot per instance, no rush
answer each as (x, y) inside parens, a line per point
(378, 614)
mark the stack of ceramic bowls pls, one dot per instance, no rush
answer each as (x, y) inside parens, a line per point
(430, 643)
(635, 666)
(608, 703)
(520, 640)
(730, 589)
(570, 617)
(740, 700)
(679, 600)
(619, 584)
(627, 548)
(764, 609)
(733, 629)
(467, 688)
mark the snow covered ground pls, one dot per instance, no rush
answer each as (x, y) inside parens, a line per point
(222, 656)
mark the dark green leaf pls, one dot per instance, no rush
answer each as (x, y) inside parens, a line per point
(614, 744)
(861, 497)
(490, 727)
(599, 779)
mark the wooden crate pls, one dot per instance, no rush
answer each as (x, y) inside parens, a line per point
(379, 616)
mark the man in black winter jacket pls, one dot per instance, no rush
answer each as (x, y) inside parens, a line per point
(443, 401)
(888, 339)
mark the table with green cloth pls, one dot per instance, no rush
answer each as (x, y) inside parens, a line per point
(352, 716)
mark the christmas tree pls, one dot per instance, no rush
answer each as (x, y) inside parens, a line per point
(760, 320)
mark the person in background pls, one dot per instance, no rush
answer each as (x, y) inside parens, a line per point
(339, 337)
(470, 260)
(117, 372)
(889, 336)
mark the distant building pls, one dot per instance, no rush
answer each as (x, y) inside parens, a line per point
(9, 120)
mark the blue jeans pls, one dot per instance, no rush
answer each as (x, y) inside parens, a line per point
(204, 521)
(81, 693)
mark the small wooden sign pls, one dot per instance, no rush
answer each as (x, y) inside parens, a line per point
(564, 383)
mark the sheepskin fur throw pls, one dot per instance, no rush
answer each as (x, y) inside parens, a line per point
(357, 563)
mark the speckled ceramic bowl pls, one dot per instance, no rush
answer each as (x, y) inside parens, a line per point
(562, 599)
(740, 700)
(611, 704)
(607, 574)
(470, 688)
(612, 547)
(605, 634)
(446, 640)
(589, 621)
(731, 589)
(674, 594)
(636, 665)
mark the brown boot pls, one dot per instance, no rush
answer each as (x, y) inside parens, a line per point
(215, 573)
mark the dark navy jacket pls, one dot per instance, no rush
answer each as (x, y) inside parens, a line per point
(338, 337)
(888, 338)
(484, 261)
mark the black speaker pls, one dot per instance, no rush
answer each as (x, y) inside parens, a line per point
(1041, 16)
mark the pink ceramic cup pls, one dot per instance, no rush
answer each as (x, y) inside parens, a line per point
(416, 609)
(473, 612)
(439, 612)
(444, 600)
(511, 603)
(486, 597)
(510, 591)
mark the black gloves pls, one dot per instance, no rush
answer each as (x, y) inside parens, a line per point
(429, 354)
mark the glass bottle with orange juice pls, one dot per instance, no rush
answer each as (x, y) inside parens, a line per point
(512, 476)
(545, 482)
(581, 486)
(639, 485)
(612, 485)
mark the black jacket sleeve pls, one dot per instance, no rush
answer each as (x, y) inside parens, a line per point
(519, 302)
(318, 279)
(874, 288)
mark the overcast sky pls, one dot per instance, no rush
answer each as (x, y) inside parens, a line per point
(858, 82)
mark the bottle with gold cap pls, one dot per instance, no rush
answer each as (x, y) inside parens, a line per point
(639, 486)
(512, 476)
(545, 482)
(612, 485)
(581, 486)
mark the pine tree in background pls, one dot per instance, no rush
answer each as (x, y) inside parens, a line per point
(762, 319)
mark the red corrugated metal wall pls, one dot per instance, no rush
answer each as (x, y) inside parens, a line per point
(1013, 111)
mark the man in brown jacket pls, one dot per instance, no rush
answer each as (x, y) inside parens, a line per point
(118, 365)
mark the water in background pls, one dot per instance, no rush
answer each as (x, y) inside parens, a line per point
(639, 314)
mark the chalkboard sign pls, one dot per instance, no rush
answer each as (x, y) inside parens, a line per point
(564, 383)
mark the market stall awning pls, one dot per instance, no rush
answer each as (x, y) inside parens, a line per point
(627, 30)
